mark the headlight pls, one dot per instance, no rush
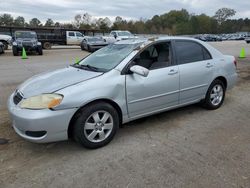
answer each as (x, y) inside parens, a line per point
(43, 101)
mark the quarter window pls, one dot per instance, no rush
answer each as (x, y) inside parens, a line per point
(189, 52)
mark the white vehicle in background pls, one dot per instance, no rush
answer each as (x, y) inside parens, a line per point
(6, 40)
(119, 35)
(74, 37)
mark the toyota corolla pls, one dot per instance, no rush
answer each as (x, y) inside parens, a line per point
(121, 82)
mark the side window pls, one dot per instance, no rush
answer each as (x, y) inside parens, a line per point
(78, 34)
(189, 52)
(71, 34)
(155, 56)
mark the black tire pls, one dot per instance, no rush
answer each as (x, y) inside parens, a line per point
(79, 131)
(2, 50)
(15, 51)
(40, 50)
(82, 47)
(47, 45)
(5, 44)
(207, 103)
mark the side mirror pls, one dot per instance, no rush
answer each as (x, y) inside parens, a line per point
(139, 70)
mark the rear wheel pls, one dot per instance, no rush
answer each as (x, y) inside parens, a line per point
(215, 95)
(47, 45)
(40, 50)
(96, 125)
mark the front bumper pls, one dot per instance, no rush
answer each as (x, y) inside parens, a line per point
(27, 48)
(53, 123)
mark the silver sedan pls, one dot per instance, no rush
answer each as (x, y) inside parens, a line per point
(121, 82)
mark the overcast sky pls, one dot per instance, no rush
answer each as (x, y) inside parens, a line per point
(65, 10)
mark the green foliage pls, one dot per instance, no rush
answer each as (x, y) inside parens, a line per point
(34, 22)
(223, 14)
(6, 20)
(49, 23)
(19, 21)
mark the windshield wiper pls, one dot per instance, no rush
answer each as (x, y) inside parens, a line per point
(88, 67)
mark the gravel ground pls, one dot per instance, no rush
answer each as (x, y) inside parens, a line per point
(187, 147)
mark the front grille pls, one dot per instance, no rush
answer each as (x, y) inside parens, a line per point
(27, 44)
(17, 97)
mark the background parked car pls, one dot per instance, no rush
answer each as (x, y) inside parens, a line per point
(1, 48)
(6, 40)
(28, 41)
(93, 43)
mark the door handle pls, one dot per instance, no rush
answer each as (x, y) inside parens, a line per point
(172, 72)
(209, 65)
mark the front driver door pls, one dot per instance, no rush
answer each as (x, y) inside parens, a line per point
(160, 89)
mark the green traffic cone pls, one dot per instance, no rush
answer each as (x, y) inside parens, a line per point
(77, 60)
(242, 53)
(24, 56)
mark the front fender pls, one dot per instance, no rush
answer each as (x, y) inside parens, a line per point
(110, 86)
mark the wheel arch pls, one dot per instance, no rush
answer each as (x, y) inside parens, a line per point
(223, 79)
(111, 102)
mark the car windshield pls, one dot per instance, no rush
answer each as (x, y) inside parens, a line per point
(30, 35)
(124, 33)
(108, 57)
(94, 39)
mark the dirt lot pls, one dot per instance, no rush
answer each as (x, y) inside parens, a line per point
(187, 147)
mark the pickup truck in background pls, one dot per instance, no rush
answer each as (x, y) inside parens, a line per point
(118, 35)
(6, 40)
(60, 37)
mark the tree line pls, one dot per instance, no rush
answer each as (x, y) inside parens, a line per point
(174, 22)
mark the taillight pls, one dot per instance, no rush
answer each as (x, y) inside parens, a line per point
(235, 63)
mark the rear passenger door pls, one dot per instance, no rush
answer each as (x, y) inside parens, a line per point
(196, 70)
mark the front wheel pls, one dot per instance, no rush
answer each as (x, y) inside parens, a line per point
(96, 125)
(40, 50)
(15, 51)
(215, 95)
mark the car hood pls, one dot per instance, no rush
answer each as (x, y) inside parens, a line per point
(53, 81)
(5, 37)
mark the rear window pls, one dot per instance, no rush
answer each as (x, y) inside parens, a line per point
(189, 52)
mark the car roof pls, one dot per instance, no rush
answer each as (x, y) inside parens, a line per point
(154, 39)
